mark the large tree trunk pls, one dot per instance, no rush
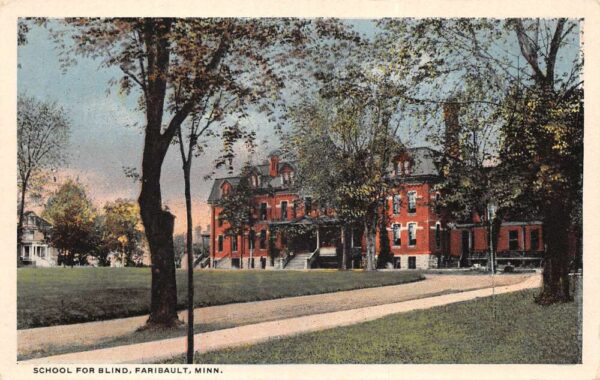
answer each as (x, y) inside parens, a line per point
(21, 215)
(555, 287)
(158, 225)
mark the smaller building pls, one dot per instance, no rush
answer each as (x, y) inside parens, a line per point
(34, 248)
(520, 243)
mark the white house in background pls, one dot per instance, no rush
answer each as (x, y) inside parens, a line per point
(34, 245)
(116, 259)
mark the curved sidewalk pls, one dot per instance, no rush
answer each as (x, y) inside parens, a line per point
(60, 339)
(259, 332)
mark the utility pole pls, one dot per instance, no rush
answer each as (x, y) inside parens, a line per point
(491, 209)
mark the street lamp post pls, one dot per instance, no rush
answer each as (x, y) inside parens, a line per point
(491, 214)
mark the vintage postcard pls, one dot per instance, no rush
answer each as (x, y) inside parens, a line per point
(372, 189)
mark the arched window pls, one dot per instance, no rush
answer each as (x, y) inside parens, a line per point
(225, 189)
(287, 174)
(406, 165)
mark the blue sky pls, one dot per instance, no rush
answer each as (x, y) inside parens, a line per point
(107, 129)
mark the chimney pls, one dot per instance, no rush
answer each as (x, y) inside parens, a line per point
(274, 164)
(452, 144)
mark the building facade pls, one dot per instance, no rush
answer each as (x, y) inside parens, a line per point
(419, 235)
(35, 250)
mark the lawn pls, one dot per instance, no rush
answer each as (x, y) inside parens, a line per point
(53, 296)
(509, 328)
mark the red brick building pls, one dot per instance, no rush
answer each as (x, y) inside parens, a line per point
(419, 235)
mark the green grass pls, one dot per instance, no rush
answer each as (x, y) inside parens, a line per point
(510, 328)
(54, 296)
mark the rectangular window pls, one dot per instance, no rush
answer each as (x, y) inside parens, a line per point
(294, 209)
(513, 240)
(396, 205)
(251, 238)
(307, 205)
(396, 232)
(263, 239)
(220, 243)
(535, 240)
(412, 202)
(412, 262)
(284, 205)
(263, 211)
(412, 234)
(234, 242)
(438, 236)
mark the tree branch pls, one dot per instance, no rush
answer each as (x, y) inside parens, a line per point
(529, 52)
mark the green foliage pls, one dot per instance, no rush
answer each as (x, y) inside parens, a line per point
(124, 231)
(350, 136)
(72, 215)
(543, 144)
(237, 206)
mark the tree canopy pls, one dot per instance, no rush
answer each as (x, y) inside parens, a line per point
(71, 213)
(43, 131)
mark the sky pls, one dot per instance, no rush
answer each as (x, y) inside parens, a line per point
(107, 134)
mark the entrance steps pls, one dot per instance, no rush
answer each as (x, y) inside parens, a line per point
(224, 263)
(298, 261)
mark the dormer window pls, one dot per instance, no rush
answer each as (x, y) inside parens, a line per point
(255, 180)
(287, 177)
(225, 189)
(402, 165)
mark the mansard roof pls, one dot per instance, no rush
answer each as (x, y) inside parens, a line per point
(423, 164)
(266, 181)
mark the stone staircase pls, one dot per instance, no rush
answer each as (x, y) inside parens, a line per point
(224, 263)
(298, 261)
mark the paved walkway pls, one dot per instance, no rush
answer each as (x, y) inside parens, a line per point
(259, 332)
(57, 338)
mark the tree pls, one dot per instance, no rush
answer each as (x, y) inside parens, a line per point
(544, 145)
(385, 253)
(124, 230)
(42, 137)
(72, 215)
(237, 209)
(175, 63)
(535, 106)
(190, 146)
(351, 137)
(100, 244)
